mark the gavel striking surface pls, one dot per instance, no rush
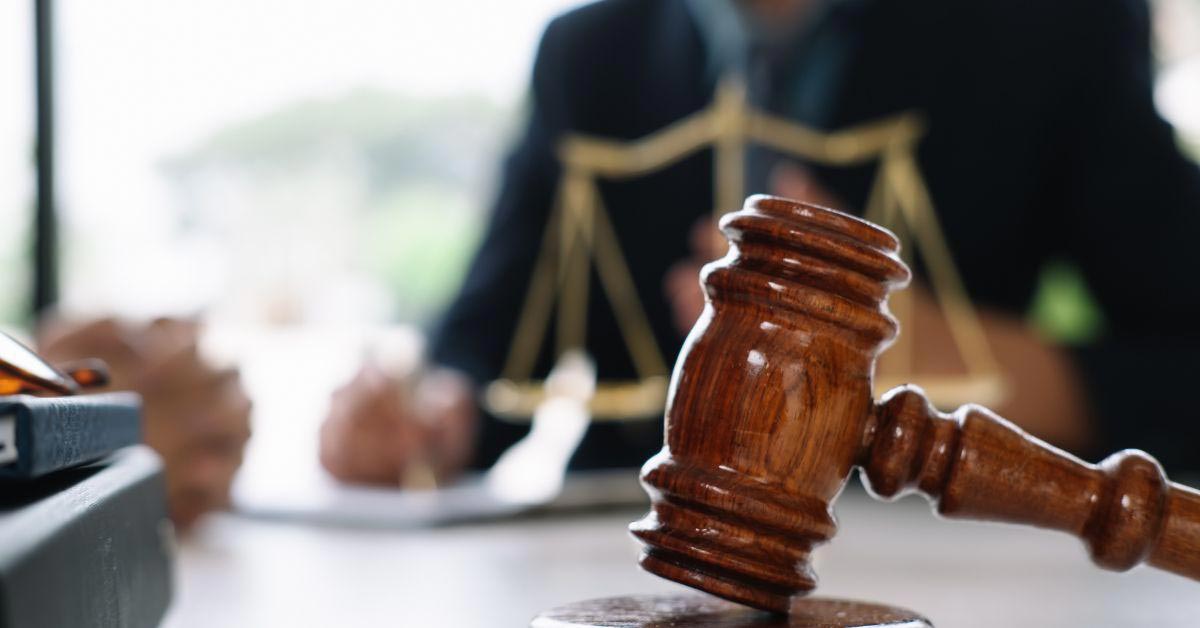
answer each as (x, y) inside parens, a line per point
(701, 611)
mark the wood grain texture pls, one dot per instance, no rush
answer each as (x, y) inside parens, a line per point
(976, 465)
(770, 409)
(700, 611)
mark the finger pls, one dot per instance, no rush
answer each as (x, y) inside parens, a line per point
(331, 448)
(706, 240)
(190, 499)
(797, 182)
(59, 330)
(213, 463)
(682, 285)
(450, 396)
(170, 334)
(173, 372)
(220, 428)
(101, 338)
(368, 458)
(186, 506)
(368, 383)
(357, 449)
(230, 409)
(202, 402)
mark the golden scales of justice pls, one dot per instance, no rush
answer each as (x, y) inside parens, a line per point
(579, 230)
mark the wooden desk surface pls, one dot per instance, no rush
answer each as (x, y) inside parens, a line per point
(241, 572)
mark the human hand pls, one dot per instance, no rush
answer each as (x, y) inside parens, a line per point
(682, 284)
(1043, 391)
(196, 416)
(794, 181)
(388, 429)
(682, 281)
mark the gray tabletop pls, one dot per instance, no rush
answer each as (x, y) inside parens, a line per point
(243, 572)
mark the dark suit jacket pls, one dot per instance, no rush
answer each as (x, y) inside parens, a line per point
(1043, 143)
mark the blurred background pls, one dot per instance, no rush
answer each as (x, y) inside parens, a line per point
(309, 184)
(306, 181)
(304, 188)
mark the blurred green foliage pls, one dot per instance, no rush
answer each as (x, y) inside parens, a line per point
(399, 139)
(16, 255)
(419, 244)
(419, 170)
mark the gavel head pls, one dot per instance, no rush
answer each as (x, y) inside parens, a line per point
(769, 402)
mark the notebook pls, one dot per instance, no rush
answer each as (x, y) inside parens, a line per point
(40, 435)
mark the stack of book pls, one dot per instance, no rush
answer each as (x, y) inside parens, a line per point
(84, 534)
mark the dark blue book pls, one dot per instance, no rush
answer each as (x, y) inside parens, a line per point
(40, 435)
(88, 547)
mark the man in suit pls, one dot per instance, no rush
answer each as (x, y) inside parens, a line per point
(1043, 143)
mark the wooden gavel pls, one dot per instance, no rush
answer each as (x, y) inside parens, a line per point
(770, 408)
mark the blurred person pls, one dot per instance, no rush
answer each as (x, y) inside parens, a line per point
(196, 416)
(1043, 143)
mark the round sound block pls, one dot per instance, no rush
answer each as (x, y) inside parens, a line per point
(691, 610)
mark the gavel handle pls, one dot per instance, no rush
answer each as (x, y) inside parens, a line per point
(976, 465)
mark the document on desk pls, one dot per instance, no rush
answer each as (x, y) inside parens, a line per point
(329, 502)
(531, 476)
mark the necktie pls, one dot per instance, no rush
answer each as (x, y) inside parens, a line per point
(798, 78)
